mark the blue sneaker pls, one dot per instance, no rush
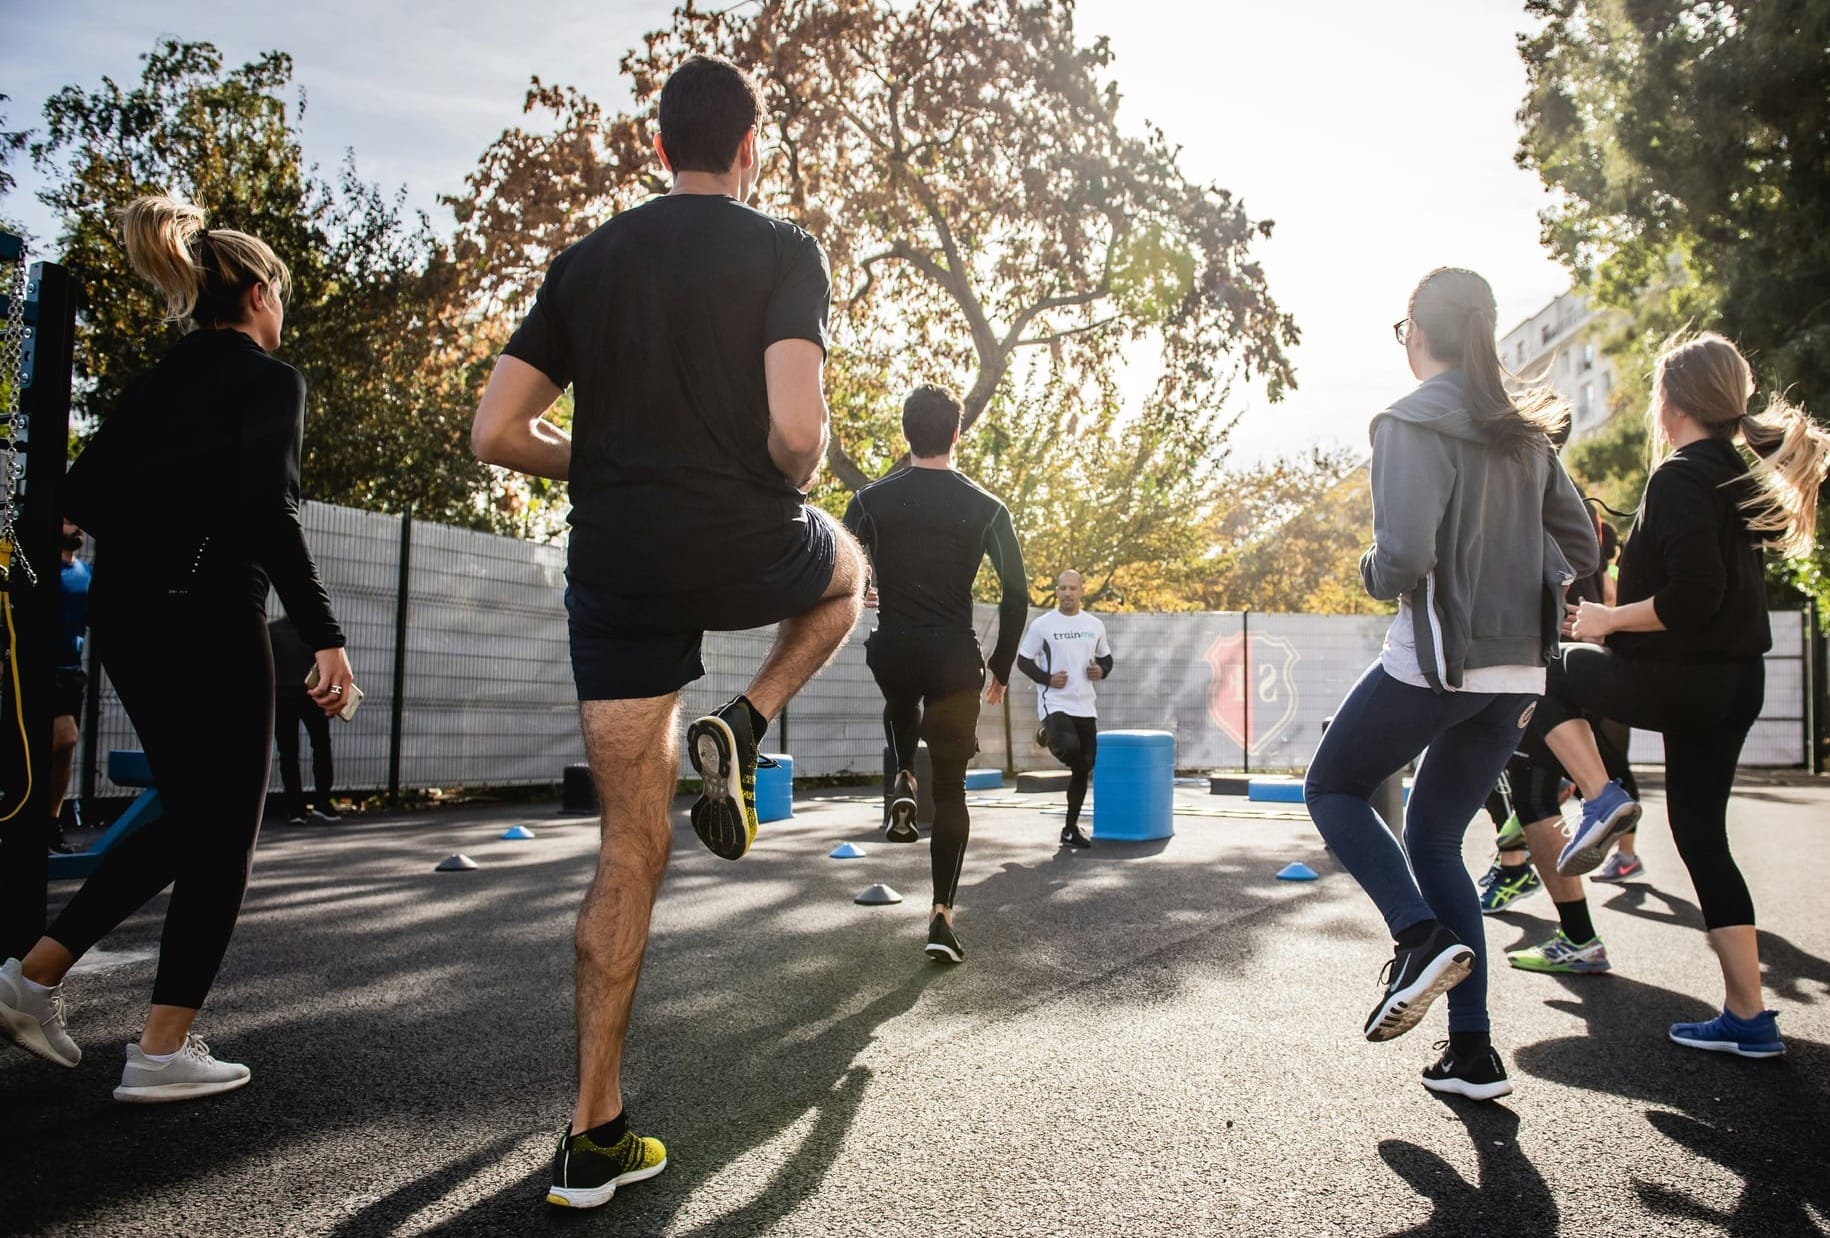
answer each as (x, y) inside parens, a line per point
(1604, 818)
(1757, 1037)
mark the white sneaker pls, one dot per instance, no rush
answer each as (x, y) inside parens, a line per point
(189, 1075)
(32, 1017)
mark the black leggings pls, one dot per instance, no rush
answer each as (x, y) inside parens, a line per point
(209, 740)
(1704, 711)
(931, 680)
(291, 708)
(1536, 777)
(1075, 743)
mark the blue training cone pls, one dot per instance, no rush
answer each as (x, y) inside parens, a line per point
(846, 851)
(517, 833)
(1296, 872)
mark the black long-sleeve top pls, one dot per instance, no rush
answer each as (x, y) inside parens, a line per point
(926, 531)
(192, 484)
(1691, 553)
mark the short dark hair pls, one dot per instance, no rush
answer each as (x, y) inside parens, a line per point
(930, 418)
(707, 105)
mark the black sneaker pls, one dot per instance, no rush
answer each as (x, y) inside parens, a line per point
(943, 946)
(1480, 1077)
(1415, 978)
(1072, 837)
(900, 827)
(326, 816)
(723, 750)
(586, 1175)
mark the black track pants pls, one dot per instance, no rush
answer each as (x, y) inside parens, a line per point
(1074, 741)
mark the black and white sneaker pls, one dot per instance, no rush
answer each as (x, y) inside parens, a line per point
(899, 827)
(1415, 978)
(943, 946)
(1479, 1077)
(722, 747)
(1072, 837)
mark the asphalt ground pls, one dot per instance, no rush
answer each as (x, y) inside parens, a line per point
(1144, 1039)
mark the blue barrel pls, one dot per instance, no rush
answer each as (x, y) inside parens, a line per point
(984, 779)
(1134, 785)
(775, 788)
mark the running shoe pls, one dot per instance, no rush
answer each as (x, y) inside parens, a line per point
(187, 1075)
(1756, 1037)
(1511, 835)
(723, 750)
(1072, 837)
(900, 825)
(1416, 977)
(32, 1017)
(1604, 818)
(1620, 867)
(1480, 1076)
(1501, 891)
(943, 946)
(586, 1174)
(1563, 956)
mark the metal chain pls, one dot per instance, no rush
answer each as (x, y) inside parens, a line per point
(12, 421)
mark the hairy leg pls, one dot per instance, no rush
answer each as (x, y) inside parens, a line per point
(634, 754)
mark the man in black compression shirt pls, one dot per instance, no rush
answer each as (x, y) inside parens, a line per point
(692, 330)
(926, 529)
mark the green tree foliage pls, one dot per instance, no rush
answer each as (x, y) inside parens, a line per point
(985, 215)
(374, 322)
(1289, 537)
(1687, 147)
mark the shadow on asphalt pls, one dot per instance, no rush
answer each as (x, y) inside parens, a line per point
(1785, 969)
(386, 1019)
(1510, 1196)
(1759, 1120)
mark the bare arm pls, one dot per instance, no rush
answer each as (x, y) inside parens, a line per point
(510, 428)
(1593, 621)
(797, 409)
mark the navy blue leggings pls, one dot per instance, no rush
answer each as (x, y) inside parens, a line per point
(1378, 729)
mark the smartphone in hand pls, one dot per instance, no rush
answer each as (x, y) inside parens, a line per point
(349, 707)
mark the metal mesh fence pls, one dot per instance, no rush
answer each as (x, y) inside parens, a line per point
(489, 700)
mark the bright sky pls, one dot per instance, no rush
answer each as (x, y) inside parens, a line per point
(1378, 136)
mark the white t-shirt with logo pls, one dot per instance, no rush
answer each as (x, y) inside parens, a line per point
(1058, 642)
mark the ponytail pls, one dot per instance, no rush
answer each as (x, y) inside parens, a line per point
(1794, 458)
(1707, 379)
(201, 275)
(1456, 310)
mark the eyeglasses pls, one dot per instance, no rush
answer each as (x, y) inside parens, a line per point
(1402, 329)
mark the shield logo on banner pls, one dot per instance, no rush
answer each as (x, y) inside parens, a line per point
(1252, 687)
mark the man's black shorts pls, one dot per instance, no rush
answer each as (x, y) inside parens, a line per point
(69, 684)
(632, 640)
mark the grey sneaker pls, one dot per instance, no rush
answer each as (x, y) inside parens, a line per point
(32, 1017)
(189, 1075)
(1620, 867)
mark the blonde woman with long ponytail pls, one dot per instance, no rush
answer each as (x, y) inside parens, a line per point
(1681, 651)
(191, 491)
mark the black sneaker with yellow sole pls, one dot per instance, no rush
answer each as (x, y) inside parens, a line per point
(586, 1175)
(722, 748)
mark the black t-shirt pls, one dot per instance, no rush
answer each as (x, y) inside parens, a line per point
(658, 320)
(1691, 553)
(926, 531)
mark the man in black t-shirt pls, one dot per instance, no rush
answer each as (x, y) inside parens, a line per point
(692, 330)
(926, 529)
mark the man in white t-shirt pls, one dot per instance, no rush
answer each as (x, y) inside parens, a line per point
(1065, 652)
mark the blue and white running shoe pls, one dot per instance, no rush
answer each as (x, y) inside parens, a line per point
(1604, 818)
(1756, 1037)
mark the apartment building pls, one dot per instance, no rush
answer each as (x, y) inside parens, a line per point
(1561, 345)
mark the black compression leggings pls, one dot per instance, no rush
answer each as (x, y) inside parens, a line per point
(930, 682)
(1075, 743)
(209, 741)
(1705, 711)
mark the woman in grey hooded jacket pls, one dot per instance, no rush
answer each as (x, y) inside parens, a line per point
(1476, 532)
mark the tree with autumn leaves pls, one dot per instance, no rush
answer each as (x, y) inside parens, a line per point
(989, 223)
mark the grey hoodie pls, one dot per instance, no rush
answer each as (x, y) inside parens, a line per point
(1481, 542)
